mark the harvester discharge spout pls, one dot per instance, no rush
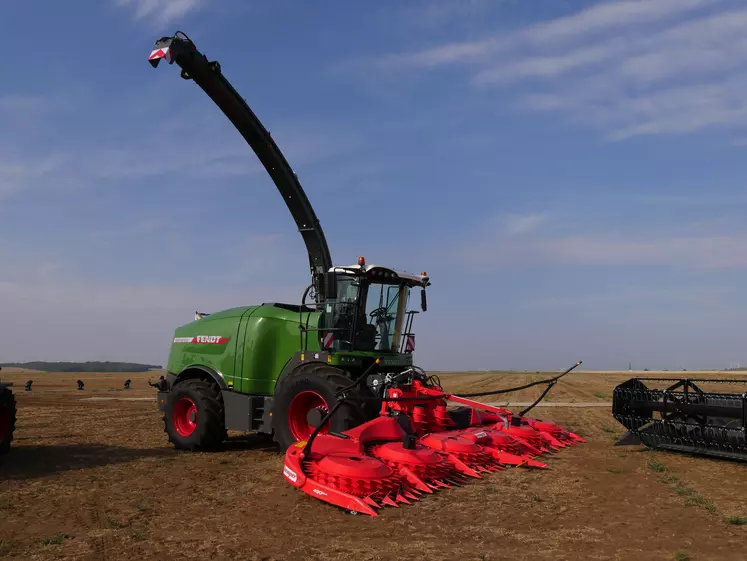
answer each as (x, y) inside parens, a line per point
(416, 446)
(682, 417)
(208, 75)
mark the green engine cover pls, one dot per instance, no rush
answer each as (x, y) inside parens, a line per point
(247, 346)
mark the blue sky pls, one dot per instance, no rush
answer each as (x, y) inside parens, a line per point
(570, 173)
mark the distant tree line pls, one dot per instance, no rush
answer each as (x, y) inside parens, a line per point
(90, 366)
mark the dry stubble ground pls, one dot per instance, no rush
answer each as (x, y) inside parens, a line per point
(97, 480)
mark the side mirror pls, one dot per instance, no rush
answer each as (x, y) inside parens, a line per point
(423, 300)
(330, 285)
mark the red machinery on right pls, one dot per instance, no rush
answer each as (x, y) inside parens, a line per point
(418, 446)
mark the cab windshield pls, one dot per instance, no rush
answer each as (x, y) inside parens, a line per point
(382, 311)
(367, 316)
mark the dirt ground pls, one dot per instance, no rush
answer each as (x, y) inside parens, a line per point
(96, 479)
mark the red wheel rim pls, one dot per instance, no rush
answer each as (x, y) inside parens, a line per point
(4, 423)
(185, 416)
(300, 406)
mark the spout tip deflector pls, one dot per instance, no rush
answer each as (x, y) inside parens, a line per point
(161, 51)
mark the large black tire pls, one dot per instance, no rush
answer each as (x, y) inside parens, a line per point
(194, 417)
(7, 419)
(319, 379)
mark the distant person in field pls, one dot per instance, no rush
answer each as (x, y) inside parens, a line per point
(127, 384)
(160, 384)
(80, 384)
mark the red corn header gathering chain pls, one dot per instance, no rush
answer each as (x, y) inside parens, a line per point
(415, 448)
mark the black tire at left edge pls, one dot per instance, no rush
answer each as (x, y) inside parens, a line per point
(8, 404)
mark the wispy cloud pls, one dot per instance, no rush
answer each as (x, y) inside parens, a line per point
(602, 17)
(17, 175)
(85, 167)
(436, 13)
(262, 256)
(642, 297)
(523, 223)
(210, 150)
(125, 321)
(113, 319)
(15, 103)
(163, 11)
(627, 67)
(695, 200)
(607, 16)
(718, 252)
(27, 113)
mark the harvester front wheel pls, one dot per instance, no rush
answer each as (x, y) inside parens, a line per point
(7, 419)
(304, 397)
(194, 416)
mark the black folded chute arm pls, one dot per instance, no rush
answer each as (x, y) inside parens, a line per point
(195, 66)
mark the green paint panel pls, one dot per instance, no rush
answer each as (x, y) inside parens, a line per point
(272, 338)
(195, 344)
(250, 346)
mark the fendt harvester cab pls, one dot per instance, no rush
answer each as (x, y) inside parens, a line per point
(332, 380)
(366, 312)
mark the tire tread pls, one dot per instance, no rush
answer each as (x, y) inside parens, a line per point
(213, 430)
(8, 398)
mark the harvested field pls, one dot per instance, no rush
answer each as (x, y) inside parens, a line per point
(95, 479)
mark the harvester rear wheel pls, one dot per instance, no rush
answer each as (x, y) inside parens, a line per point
(194, 416)
(7, 419)
(303, 397)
